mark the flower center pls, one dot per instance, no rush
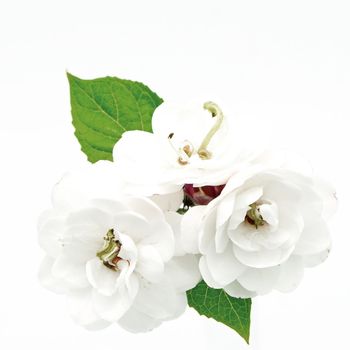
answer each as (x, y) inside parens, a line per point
(186, 149)
(253, 216)
(110, 250)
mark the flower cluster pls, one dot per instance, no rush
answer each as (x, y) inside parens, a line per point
(126, 240)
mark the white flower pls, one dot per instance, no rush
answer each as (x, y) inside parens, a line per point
(117, 260)
(190, 145)
(260, 233)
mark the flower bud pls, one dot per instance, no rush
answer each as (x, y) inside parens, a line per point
(202, 195)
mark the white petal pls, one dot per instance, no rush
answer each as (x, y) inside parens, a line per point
(82, 311)
(276, 238)
(97, 325)
(162, 186)
(224, 267)
(290, 227)
(190, 228)
(269, 212)
(127, 278)
(225, 209)
(136, 322)
(236, 290)
(244, 237)
(50, 236)
(145, 207)
(238, 179)
(328, 195)
(71, 271)
(314, 239)
(291, 273)
(237, 217)
(102, 278)
(46, 278)
(132, 224)
(112, 308)
(81, 242)
(183, 272)
(162, 238)
(139, 158)
(282, 192)
(128, 250)
(161, 301)
(48, 215)
(260, 281)
(186, 122)
(175, 221)
(136, 147)
(206, 274)
(149, 264)
(315, 259)
(109, 206)
(221, 238)
(248, 196)
(207, 233)
(98, 180)
(169, 202)
(65, 196)
(296, 163)
(97, 219)
(242, 202)
(262, 258)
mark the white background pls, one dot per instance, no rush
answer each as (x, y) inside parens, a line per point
(280, 69)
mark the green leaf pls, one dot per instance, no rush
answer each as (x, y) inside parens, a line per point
(104, 108)
(217, 304)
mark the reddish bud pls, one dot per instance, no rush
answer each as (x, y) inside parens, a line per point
(202, 195)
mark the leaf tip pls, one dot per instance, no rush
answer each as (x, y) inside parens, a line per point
(246, 338)
(70, 76)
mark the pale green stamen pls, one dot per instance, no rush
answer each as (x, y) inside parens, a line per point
(216, 112)
(254, 217)
(110, 250)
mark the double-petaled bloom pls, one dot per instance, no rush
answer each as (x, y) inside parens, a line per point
(117, 258)
(261, 231)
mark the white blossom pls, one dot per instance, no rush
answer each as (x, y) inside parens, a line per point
(189, 145)
(261, 231)
(117, 259)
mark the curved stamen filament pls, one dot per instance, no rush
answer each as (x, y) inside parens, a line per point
(216, 112)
